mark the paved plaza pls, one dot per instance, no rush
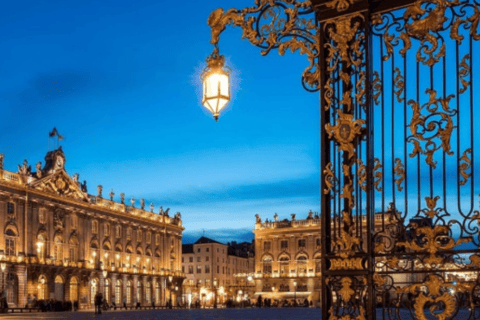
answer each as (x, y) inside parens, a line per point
(200, 314)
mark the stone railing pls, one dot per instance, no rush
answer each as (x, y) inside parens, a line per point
(288, 224)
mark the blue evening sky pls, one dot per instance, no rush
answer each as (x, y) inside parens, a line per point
(120, 81)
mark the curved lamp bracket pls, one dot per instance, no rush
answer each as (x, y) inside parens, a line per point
(276, 24)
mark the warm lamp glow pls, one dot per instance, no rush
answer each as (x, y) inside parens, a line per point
(216, 84)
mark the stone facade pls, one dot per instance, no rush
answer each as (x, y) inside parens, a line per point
(287, 260)
(213, 268)
(58, 242)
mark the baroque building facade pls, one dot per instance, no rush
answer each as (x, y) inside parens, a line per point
(58, 242)
(288, 258)
(216, 272)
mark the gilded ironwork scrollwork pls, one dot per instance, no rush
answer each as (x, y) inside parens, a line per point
(399, 84)
(278, 25)
(465, 166)
(340, 5)
(437, 124)
(423, 21)
(345, 132)
(463, 73)
(440, 297)
(330, 180)
(399, 174)
(348, 290)
(376, 87)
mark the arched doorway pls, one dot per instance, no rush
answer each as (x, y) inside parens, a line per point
(73, 289)
(107, 290)
(59, 286)
(42, 288)
(157, 292)
(12, 289)
(139, 292)
(129, 292)
(118, 292)
(93, 290)
(148, 293)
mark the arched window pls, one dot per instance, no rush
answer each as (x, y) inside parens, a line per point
(73, 289)
(73, 249)
(41, 244)
(118, 293)
(267, 265)
(42, 287)
(58, 250)
(302, 265)
(129, 292)
(284, 265)
(93, 290)
(10, 236)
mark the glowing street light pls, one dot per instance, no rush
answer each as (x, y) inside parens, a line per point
(216, 84)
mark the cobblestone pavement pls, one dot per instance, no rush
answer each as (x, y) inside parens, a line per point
(185, 314)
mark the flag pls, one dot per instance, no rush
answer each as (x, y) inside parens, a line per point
(54, 133)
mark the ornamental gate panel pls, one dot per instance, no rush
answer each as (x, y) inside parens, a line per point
(398, 83)
(399, 207)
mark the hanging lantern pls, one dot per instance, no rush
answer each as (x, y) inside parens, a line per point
(216, 84)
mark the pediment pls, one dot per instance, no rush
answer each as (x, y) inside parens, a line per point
(60, 184)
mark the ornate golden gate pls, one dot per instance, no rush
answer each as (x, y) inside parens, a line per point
(398, 91)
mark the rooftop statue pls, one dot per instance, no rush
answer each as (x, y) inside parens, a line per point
(258, 219)
(39, 170)
(25, 168)
(122, 198)
(100, 189)
(112, 194)
(142, 204)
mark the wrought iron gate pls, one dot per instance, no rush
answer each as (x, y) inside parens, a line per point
(400, 219)
(399, 97)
